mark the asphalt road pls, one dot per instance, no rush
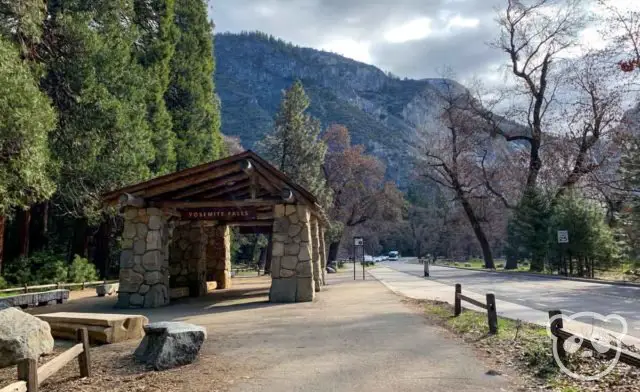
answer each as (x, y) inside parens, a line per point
(540, 293)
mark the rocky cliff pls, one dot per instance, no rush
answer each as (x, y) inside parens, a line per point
(392, 117)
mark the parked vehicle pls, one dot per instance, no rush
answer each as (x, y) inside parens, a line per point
(394, 255)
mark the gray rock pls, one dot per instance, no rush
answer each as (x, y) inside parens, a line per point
(22, 336)
(107, 289)
(331, 270)
(170, 344)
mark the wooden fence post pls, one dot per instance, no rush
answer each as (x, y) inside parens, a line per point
(554, 327)
(492, 315)
(426, 268)
(28, 372)
(84, 360)
(458, 307)
(26, 288)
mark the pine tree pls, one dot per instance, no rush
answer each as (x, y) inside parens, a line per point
(294, 146)
(155, 49)
(191, 98)
(528, 231)
(26, 117)
(103, 140)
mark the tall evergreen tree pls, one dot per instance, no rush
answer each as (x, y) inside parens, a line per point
(191, 98)
(155, 49)
(103, 139)
(528, 231)
(26, 117)
(294, 146)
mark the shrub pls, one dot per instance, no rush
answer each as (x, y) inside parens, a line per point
(53, 272)
(40, 267)
(500, 265)
(455, 264)
(81, 270)
(340, 263)
(468, 265)
(3, 283)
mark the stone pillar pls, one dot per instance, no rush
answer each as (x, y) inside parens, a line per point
(291, 265)
(187, 258)
(219, 255)
(315, 253)
(144, 260)
(323, 256)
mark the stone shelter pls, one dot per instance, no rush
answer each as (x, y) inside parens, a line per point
(176, 235)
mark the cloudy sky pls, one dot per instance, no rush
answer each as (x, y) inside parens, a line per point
(410, 38)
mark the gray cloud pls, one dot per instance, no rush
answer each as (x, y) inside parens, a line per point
(315, 23)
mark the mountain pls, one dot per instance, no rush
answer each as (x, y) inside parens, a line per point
(392, 117)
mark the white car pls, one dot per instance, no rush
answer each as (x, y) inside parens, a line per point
(368, 258)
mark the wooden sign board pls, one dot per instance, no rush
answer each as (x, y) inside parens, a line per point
(219, 213)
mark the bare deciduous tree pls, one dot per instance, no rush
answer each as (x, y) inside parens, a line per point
(451, 160)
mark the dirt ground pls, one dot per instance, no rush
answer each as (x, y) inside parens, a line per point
(356, 336)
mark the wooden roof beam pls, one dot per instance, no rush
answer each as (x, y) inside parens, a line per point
(210, 186)
(215, 203)
(224, 190)
(190, 181)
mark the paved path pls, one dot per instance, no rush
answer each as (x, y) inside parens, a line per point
(519, 297)
(357, 336)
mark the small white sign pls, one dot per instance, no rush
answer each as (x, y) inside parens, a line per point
(563, 236)
(358, 241)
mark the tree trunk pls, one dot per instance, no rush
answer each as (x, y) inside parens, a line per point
(24, 221)
(80, 244)
(2, 227)
(101, 256)
(477, 229)
(39, 227)
(333, 251)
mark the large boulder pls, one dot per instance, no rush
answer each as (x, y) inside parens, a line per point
(170, 344)
(22, 336)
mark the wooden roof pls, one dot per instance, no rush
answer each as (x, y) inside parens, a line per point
(227, 181)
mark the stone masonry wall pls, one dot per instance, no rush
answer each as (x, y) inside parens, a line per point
(144, 260)
(218, 255)
(315, 253)
(291, 262)
(187, 260)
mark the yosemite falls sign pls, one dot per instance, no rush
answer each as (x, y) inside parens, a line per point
(221, 213)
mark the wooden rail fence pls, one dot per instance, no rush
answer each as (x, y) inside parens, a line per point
(490, 306)
(25, 289)
(557, 329)
(31, 376)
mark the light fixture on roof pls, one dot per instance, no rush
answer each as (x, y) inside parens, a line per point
(287, 195)
(246, 165)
